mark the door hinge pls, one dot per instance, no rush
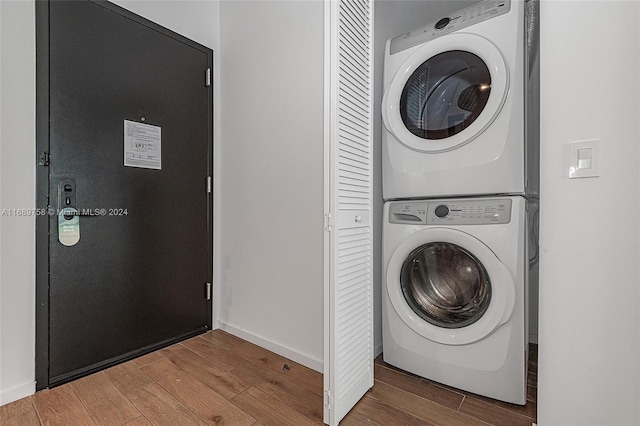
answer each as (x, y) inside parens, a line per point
(208, 290)
(208, 77)
(209, 184)
(328, 222)
(328, 400)
(43, 158)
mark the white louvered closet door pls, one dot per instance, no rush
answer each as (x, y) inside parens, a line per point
(348, 354)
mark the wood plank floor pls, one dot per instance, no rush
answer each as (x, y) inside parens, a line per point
(219, 379)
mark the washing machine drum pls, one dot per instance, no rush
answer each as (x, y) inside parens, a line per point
(446, 93)
(445, 285)
(449, 287)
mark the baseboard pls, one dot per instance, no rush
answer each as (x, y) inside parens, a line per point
(377, 350)
(304, 359)
(215, 324)
(16, 393)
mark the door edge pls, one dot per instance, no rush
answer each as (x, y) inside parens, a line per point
(42, 192)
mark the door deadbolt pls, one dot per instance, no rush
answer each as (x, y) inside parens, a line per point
(66, 194)
(68, 218)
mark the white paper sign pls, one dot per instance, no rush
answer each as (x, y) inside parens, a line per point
(142, 145)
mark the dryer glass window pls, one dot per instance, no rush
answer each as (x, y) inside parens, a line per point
(445, 94)
(445, 285)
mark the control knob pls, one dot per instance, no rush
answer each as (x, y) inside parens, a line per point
(442, 211)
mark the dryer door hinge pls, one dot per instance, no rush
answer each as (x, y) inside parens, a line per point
(328, 222)
(208, 291)
(208, 77)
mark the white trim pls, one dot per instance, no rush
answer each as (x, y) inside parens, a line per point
(216, 190)
(17, 393)
(329, 237)
(282, 350)
(377, 350)
(215, 294)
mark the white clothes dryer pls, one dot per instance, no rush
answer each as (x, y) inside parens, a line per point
(455, 290)
(454, 105)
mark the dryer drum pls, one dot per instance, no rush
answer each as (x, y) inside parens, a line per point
(445, 285)
(445, 94)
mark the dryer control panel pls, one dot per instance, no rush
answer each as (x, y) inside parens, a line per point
(451, 212)
(482, 11)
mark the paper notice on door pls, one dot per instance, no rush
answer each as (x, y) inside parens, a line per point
(142, 145)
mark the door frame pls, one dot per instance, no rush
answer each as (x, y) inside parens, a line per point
(42, 178)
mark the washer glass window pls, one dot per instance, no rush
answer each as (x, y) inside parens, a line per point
(445, 285)
(445, 94)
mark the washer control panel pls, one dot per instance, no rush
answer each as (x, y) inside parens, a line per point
(474, 14)
(469, 212)
(451, 212)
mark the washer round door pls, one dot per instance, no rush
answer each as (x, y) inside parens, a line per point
(449, 287)
(446, 93)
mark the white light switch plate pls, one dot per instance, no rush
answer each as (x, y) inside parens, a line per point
(584, 159)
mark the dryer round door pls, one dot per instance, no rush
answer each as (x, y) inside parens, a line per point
(449, 287)
(446, 93)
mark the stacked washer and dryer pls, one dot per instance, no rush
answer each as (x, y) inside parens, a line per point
(456, 184)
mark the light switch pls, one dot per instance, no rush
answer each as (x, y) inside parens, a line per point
(584, 159)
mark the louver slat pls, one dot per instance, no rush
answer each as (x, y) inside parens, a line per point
(351, 141)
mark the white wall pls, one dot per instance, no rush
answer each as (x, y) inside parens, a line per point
(271, 287)
(17, 189)
(198, 20)
(589, 350)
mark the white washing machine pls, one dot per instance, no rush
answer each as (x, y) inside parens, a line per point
(455, 290)
(454, 105)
